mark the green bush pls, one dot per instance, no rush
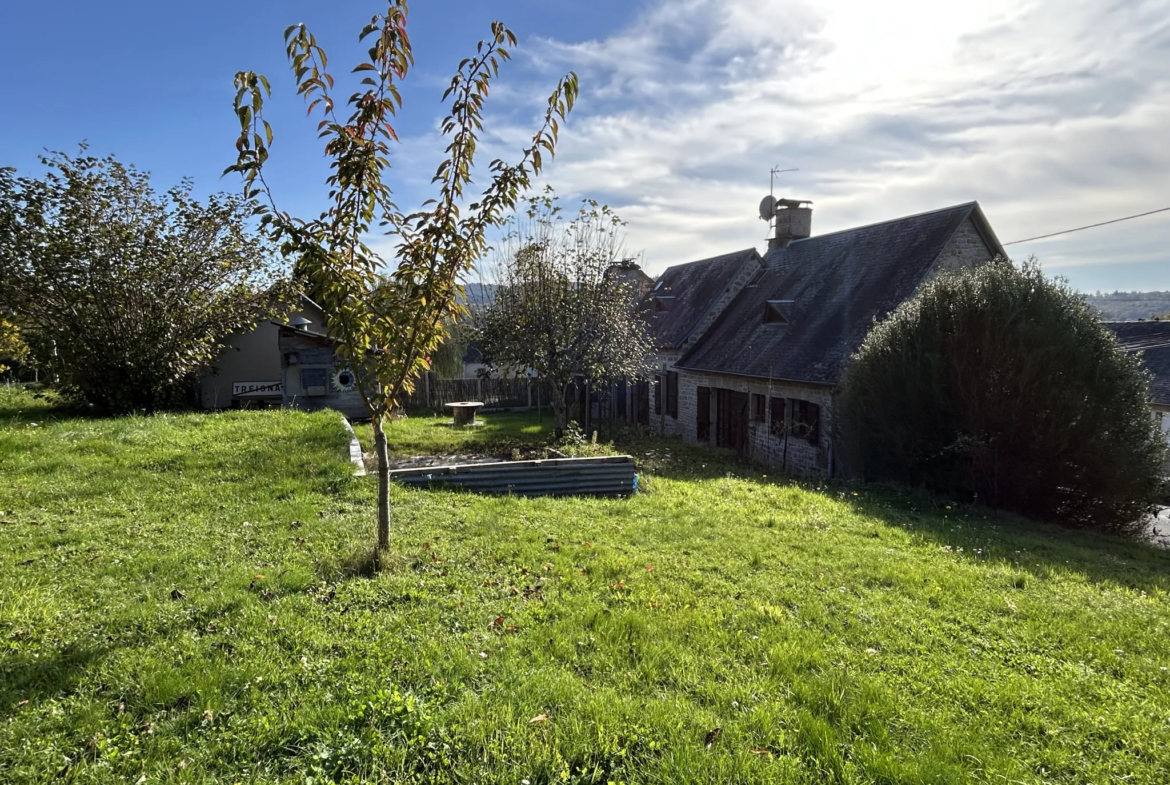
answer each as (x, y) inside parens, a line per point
(125, 295)
(1002, 386)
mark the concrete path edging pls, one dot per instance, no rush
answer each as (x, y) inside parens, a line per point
(355, 451)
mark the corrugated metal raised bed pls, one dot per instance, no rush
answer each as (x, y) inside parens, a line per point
(604, 476)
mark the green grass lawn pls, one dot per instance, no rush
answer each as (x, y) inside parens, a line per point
(187, 598)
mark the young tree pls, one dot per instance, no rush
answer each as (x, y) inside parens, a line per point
(128, 293)
(556, 309)
(387, 328)
(1002, 385)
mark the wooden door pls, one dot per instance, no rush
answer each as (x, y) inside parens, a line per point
(703, 414)
(731, 428)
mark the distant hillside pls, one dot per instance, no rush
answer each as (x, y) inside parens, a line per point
(1128, 306)
(478, 293)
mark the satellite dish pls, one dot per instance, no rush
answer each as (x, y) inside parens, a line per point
(767, 207)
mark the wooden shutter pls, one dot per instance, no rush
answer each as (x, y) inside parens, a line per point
(672, 394)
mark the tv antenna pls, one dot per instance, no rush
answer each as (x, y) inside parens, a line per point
(769, 203)
(772, 179)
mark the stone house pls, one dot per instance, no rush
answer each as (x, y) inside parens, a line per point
(751, 348)
(1152, 339)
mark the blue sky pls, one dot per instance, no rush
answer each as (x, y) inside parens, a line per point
(1051, 113)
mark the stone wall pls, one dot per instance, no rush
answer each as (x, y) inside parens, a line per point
(788, 452)
(965, 251)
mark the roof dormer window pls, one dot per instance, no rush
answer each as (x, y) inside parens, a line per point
(776, 311)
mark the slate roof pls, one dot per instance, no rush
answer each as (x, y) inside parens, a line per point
(688, 292)
(838, 284)
(1152, 339)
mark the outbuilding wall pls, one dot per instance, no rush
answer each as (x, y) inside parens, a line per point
(299, 352)
(252, 356)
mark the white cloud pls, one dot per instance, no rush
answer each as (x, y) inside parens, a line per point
(1051, 113)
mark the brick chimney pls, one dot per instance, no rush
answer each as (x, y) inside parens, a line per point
(791, 219)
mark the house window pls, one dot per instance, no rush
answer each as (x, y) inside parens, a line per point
(658, 393)
(759, 408)
(777, 407)
(672, 394)
(806, 421)
(703, 414)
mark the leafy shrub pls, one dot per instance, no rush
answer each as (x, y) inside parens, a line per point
(124, 294)
(1000, 385)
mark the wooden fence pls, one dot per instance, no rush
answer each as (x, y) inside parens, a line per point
(434, 393)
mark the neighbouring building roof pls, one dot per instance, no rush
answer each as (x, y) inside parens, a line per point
(823, 294)
(685, 293)
(1152, 339)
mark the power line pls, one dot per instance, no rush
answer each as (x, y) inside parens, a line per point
(1090, 226)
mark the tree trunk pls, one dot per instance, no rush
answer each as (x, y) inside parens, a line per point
(383, 484)
(558, 407)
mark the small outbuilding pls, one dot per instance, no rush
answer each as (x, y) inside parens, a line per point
(248, 373)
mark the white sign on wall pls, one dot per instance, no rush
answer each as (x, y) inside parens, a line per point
(257, 389)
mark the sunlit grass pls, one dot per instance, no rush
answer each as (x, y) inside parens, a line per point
(190, 598)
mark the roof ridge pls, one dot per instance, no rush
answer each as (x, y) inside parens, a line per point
(888, 221)
(750, 249)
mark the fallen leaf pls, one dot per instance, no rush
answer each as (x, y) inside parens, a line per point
(22, 703)
(758, 751)
(620, 585)
(497, 622)
(649, 567)
(538, 718)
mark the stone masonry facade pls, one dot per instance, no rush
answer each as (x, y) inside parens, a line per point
(965, 251)
(788, 451)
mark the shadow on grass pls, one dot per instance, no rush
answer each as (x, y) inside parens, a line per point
(362, 562)
(1042, 549)
(33, 403)
(32, 676)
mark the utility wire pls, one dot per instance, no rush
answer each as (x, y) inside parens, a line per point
(1090, 226)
